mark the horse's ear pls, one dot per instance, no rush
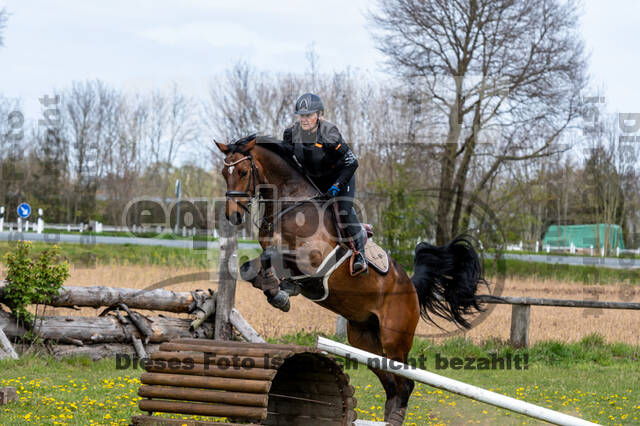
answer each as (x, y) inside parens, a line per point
(249, 145)
(222, 147)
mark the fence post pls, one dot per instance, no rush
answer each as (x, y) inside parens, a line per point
(40, 222)
(341, 326)
(225, 299)
(1, 218)
(520, 315)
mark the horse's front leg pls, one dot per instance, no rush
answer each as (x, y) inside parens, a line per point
(260, 272)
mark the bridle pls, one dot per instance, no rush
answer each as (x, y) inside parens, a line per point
(251, 185)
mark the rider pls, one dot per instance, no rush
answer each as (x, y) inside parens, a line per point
(317, 146)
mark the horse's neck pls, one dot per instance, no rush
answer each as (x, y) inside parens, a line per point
(288, 181)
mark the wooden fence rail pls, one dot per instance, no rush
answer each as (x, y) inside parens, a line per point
(521, 311)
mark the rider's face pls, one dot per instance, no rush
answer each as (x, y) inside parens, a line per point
(308, 121)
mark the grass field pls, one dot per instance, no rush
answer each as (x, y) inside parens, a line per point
(590, 379)
(570, 368)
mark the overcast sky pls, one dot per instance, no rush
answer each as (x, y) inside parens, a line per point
(143, 44)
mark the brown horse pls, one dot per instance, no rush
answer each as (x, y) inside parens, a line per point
(382, 310)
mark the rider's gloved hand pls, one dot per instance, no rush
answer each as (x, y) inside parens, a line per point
(333, 191)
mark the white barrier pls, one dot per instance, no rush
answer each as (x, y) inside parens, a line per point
(450, 385)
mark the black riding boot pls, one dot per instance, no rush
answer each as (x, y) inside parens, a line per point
(358, 259)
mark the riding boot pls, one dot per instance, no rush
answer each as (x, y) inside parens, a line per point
(358, 261)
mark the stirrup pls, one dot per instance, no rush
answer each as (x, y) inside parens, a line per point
(365, 267)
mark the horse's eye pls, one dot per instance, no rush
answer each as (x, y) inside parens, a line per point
(242, 173)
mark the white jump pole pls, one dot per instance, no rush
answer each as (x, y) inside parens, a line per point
(450, 385)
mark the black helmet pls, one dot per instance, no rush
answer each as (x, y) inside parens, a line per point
(308, 103)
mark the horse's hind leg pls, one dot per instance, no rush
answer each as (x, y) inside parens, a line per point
(366, 336)
(397, 327)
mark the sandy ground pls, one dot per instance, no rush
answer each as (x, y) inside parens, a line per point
(564, 324)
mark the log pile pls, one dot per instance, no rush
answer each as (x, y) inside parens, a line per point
(119, 325)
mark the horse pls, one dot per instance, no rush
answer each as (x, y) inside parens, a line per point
(382, 311)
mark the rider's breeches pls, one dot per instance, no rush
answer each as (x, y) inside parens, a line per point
(348, 217)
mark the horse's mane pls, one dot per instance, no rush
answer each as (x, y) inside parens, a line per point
(271, 143)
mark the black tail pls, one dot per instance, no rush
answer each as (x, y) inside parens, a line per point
(446, 279)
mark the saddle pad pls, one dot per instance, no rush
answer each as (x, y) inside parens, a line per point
(376, 256)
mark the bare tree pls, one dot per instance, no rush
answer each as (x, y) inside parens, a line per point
(504, 75)
(88, 123)
(171, 126)
(3, 23)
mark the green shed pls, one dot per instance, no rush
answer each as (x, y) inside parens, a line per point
(583, 236)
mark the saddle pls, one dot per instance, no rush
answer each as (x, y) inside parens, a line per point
(373, 253)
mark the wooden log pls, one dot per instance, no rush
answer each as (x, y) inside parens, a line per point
(209, 359)
(520, 315)
(68, 341)
(98, 329)
(139, 347)
(98, 296)
(220, 383)
(204, 311)
(161, 421)
(215, 371)
(226, 296)
(244, 327)
(234, 344)
(8, 348)
(172, 347)
(189, 394)
(138, 321)
(202, 409)
(99, 351)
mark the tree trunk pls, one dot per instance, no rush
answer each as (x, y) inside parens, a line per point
(447, 164)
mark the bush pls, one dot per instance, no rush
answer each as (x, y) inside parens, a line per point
(32, 281)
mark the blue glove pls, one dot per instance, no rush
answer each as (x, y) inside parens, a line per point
(333, 191)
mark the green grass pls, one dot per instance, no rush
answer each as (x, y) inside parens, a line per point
(592, 379)
(586, 274)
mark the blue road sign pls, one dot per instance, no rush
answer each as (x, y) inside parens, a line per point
(24, 210)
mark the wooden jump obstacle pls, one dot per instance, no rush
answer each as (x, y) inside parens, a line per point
(259, 383)
(450, 385)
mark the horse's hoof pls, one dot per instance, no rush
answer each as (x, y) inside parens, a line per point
(397, 417)
(280, 301)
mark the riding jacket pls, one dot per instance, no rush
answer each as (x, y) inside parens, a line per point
(323, 154)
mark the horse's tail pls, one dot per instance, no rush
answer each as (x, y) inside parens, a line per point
(446, 279)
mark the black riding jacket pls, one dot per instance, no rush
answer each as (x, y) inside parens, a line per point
(323, 154)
